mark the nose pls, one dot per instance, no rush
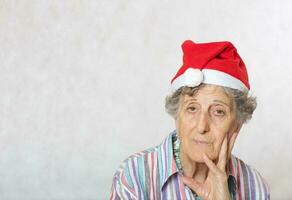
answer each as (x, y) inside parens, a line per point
(203, 123)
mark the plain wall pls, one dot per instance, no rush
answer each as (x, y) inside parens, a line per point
(83, 83)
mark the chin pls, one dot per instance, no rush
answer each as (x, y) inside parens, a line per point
(199, 157)
(199, 160)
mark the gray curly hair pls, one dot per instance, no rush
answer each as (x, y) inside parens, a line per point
(243, 103)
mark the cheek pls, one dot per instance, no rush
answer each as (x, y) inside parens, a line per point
(222, 125)
(220, 130)
(217, 147)
(218, 139)
(184, 125)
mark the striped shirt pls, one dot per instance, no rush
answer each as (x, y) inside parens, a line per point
(152, 174)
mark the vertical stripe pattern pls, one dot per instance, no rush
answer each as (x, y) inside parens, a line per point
(153, 175)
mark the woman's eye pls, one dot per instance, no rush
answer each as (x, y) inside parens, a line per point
(219, 112)
(192, 109)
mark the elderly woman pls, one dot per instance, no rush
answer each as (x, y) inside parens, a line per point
(209, 104)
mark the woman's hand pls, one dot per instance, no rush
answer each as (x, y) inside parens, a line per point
(215, 186)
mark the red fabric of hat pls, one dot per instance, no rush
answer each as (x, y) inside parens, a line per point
(219, 58)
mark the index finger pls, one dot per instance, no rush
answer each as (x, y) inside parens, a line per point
(223, 155)
(231, 143)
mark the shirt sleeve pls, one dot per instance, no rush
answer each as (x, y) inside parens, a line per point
(267, 189)
(120, 190)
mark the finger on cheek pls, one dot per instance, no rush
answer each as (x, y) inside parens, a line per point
(210, 164)
(229, 135)
(231, 143)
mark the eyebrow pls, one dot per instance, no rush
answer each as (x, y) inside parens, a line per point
(217, 101)
(192, 99)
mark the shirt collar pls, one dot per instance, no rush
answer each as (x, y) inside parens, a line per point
(166, 150)
(170, 167)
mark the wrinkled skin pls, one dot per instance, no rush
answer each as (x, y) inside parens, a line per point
(207, 129)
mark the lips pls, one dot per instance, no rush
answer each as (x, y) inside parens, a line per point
(201, 142)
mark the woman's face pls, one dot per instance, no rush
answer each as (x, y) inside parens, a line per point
(202, 122)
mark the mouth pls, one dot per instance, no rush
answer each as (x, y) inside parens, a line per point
(201, 142)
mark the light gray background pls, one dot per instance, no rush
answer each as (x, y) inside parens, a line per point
(82, 86)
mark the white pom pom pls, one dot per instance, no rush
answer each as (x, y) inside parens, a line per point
(193, 77)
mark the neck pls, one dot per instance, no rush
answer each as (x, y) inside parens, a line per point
(196, 170)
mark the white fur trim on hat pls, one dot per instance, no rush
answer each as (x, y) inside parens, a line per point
(194, 77)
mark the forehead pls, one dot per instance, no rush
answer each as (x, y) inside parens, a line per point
(209, 93)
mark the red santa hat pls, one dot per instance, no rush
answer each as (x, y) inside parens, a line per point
(215, 63)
